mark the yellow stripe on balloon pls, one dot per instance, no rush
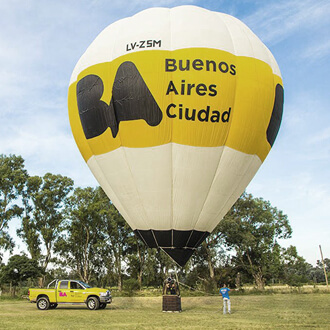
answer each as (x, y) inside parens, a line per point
(229, 100)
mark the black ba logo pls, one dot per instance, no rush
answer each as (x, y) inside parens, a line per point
(131, 100)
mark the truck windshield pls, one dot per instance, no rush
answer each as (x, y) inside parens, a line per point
(85, 284)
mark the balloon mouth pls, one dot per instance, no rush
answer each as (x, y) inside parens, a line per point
(178, 244)
(179, 255)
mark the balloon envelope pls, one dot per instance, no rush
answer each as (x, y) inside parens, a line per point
(174, 110)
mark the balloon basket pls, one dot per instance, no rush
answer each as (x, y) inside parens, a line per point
(172, 303)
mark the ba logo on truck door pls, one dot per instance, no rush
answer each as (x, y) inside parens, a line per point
(62, 294)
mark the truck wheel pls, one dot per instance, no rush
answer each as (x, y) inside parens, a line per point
(93, 303)
(43, 303)
(103, 306)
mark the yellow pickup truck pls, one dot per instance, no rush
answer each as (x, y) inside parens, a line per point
(70, 292)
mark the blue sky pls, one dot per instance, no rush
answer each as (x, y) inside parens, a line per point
(41, 41)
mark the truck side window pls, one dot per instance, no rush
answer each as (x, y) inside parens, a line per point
(75, 285)
(64, 284)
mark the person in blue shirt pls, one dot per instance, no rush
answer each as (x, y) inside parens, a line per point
(224, 291)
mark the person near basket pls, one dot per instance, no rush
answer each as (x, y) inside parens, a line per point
(224, 291)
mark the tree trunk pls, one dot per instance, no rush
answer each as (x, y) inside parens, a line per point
(118, 268)
(141, 255)
(12, 289)
(140, 278)
(209, 260)
(259, 280)
(120, 282)
(238, 281)
(212, 280)
(257, 276)
(40, 282)
(48, 256)
(211, 269)
(86, 261)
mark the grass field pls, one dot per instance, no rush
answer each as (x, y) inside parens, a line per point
(276, 311)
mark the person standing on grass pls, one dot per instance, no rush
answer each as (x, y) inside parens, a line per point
(224, 291)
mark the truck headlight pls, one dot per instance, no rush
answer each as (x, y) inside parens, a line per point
(104, 294)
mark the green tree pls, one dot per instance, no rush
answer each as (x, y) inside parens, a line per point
(29, 234)
(18, 269)
(276, 265)
(208, 261)
(296, 269)
(164, 265)
(326, 264)
(317, 273)
(116, 234)
(137, 254)
(252, 228)
(13, 177)
(151, 269)
(45, 202)
(81, 245)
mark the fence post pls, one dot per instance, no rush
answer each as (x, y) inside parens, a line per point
(325, 273)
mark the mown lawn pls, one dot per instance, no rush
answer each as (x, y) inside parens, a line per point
(277, 311)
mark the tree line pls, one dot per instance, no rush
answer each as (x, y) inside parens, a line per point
(77, 232)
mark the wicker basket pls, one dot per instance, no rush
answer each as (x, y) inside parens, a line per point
(171, 303)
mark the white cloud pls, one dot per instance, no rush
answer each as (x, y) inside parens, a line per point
(318, 50)
(281, 19)
(321, 136)
(144, 3)
(45, 141)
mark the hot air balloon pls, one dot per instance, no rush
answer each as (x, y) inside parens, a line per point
(174, 111)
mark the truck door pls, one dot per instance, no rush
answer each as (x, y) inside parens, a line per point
(77, 292)
(63, 292)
